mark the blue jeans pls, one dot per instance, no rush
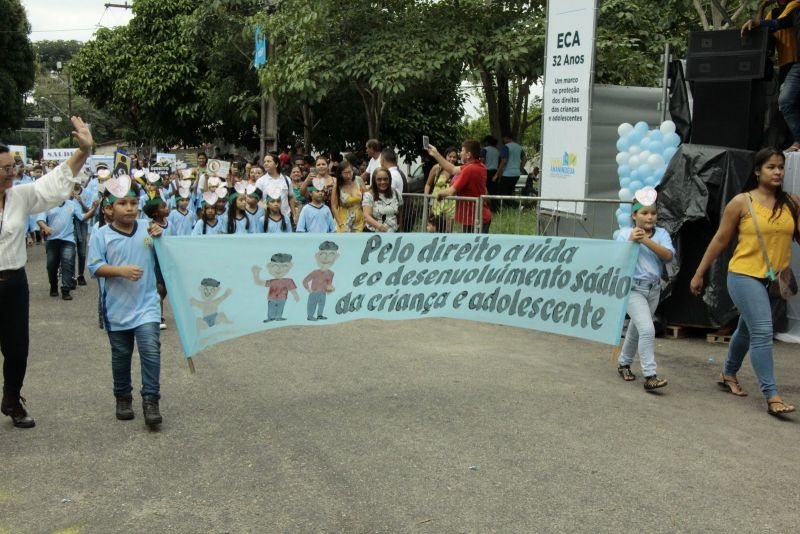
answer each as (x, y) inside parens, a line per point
(641, 333)
(754, 331)
(60, 252)
(789, 100)
(316, 304)
(275, 309)
(149, 344)
(81, 240)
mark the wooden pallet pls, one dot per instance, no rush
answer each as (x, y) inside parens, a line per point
(723, 335)
(718, 337)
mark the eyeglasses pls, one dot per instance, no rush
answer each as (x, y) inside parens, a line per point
(8, 169)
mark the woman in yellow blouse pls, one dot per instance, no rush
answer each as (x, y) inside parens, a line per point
(776, 214)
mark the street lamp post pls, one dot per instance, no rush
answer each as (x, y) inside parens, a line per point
(69, 97)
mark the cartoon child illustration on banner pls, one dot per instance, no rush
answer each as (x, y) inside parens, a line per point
(279, 286)
(318, 282)
(209, 306)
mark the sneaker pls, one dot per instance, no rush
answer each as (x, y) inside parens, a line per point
(53, 291)
(653, 382)
(125, 408)
(152, 416)
(65, 295)
(163, 324)
(81, 281)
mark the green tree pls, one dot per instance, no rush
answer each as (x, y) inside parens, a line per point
(17, 64)
(50, 53)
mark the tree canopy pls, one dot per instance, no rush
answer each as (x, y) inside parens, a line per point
(17, 64)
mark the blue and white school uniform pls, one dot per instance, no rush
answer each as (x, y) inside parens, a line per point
(209, 230)
(273, 227)
(241, 226)
(643, 301)
(317, 220)
(181, 223)
(126, 304)
(254, 217)
(60, 219)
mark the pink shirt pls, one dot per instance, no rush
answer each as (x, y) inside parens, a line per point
(318, 280)
(279, 288)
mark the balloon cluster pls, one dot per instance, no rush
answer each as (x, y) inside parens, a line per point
(642, 158)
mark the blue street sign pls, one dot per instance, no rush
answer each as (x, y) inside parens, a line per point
(261, 48)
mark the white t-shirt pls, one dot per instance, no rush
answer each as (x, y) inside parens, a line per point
(283, 183)
(373, 164)
(397, 179)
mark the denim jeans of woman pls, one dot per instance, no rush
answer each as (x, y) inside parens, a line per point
(754, 331)
(641, 333)
(149, 345)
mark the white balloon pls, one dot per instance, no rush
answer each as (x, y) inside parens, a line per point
(634, 162)
(644, 155)
(625, 194)
(655, 161)
(634, 150)
(622, 158)
(624, 129)
(667, 127)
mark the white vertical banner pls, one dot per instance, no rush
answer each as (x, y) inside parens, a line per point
(569, 62)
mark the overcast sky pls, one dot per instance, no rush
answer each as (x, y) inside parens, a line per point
(72, 19)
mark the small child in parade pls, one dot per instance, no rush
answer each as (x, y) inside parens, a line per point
(121, 253)
(316, 216)
(209, 223)
(274, 221)
(253, 210)
(157, 211)
(181, 220)
(656, 249)
(235, 220)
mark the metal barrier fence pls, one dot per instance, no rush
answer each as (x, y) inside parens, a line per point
(521, 215)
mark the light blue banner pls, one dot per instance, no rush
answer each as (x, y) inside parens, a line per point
(226, 286)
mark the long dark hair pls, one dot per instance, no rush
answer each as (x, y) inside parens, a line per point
(338, 174)
(203, 215)
(233, 212)
(781, 197)
(267, 219)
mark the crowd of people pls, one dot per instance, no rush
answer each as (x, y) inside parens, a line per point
(118, 215)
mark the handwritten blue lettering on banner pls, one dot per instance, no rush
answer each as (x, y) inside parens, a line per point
(261, 48)
(226, 286)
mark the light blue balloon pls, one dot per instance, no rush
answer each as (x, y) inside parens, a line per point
(656, 147)
(623, 171)
(644, 144)
(672, 139)
(658, 174)
(623, 144)
(651, 181)
(641, 128)
(669, 152)
(635, 186)
(644, 171)
(634, 175)
(656, 135)
(624, 182)
(635, 138)
(624, 219)
(626, 208)
(616, 233)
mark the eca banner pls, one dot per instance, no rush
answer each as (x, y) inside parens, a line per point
(566, 102)
(225, 286)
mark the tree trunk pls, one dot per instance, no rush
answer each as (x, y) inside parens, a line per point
(520, 108)
(373, 106)
(491, 101)
(503, 103)
(308, 124)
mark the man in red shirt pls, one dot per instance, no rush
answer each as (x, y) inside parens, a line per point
(469, 181)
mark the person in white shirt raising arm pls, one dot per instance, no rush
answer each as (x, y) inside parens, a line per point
(16, 204)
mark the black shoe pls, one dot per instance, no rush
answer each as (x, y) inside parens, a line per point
(125, 408)
(321, 318)
(73, 284)
(14, 407)
(65, 294)
(53, 292)
(81, 281)
(152, 416)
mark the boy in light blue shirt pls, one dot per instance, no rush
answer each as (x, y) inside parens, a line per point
(316, 217)
(122, 254)
(58, 227)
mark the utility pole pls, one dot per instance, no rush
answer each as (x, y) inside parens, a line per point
(123, 6)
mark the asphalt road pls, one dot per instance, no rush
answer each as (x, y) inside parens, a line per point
(431, 426)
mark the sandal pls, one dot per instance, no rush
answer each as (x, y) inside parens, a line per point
(626, 373)
(653, 382)
(786, 408)
(732, 385)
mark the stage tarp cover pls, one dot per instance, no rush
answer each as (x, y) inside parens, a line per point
(698, 183)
